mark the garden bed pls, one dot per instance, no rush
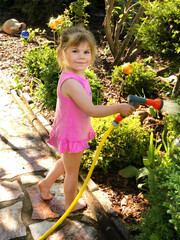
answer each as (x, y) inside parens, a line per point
(126, 198)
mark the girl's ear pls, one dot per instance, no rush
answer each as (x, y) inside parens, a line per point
(61, 54)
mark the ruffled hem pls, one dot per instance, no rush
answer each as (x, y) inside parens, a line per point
(64, 145)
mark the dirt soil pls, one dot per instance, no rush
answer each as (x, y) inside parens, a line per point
(126, 198)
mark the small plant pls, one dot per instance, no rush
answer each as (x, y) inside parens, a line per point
(150, 162)
(32, 34)
(18, 84)
(77, 10)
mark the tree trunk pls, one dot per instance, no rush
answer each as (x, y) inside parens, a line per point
(128, 37)
(176, 89)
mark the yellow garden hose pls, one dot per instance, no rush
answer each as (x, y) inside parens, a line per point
(63, 217)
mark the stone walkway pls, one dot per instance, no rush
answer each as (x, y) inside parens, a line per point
(24, 160)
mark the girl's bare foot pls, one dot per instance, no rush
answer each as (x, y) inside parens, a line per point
(44, 191)
(79, 205)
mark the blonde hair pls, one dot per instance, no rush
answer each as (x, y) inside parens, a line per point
(73, 37)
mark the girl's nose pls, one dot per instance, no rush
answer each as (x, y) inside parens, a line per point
(81, 55)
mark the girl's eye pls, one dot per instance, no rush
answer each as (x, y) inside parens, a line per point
(87, 52)
(75, 51)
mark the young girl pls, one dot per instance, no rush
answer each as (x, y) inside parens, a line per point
(72, 125)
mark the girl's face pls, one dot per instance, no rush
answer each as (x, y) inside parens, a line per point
(77, 58)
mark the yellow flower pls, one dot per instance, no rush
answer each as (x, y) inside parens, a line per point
(127, 68)
(60, 20)
(53, 23)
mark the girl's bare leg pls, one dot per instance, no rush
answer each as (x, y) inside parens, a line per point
(71, 164)
(46, 184)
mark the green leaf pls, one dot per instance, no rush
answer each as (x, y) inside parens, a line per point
(146, 162)
(142, 172)
(141, 185)
(154, 237)
(128, 172)
(152, 111)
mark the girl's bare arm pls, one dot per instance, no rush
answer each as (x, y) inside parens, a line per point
(73, 89)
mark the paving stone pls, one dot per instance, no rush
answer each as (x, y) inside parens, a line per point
(26, 179)
(17, 128)
(13, 163)
(10, 191)
(11, 225)
(58, 190)
(44, 209)
(38, 229)
(76, 231)
(25, 141)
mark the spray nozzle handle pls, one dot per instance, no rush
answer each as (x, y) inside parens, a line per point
(135, 101)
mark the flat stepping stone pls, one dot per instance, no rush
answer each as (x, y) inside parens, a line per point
(72, 230)
(76, 231)
(14, 163)
(10, 191)
(44, 209)
(11, 225)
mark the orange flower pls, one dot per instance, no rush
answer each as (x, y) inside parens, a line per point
(60, 20)
(53, 23)
(127, 68)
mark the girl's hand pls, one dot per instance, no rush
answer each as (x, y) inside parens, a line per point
(126, 109)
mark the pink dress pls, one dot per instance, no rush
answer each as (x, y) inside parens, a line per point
(72, 128)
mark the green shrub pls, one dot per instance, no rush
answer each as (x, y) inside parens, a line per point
(141, 81)
(38, 59)
(125, 145)
(160, 31)
(42, 65)
(162, 219)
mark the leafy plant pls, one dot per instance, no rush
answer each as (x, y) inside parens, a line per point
(126, 145)
(150, 162)
(41, 64)
(77, 10)
(141, 80)
(18, 84)
(162, 220)
(32, 34)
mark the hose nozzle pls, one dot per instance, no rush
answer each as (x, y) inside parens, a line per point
(135, 101)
